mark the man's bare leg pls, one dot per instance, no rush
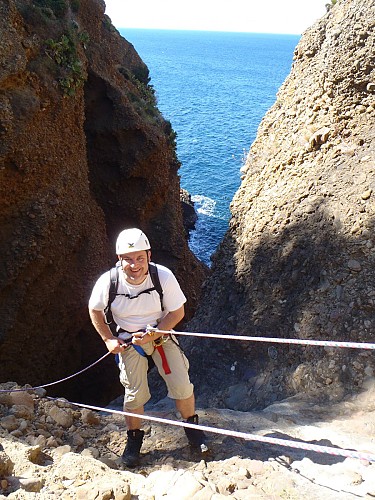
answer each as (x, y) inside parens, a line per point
(134, 422)
(186, 406)
(196, 437)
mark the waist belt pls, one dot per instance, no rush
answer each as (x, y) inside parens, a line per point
(138, 348)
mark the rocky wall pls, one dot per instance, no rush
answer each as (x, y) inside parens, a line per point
(84, 153)
(298, 260)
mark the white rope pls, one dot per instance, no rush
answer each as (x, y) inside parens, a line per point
(58, 381)
(249, 437)
(227, 432)
(274, 340)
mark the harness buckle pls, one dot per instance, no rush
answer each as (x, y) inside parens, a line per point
(161, 340)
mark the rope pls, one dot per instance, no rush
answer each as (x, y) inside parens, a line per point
(248, 437)
(274, 340)
(324, 343)
(58, 381)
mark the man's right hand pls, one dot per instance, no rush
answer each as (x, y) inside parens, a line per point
(114, 345)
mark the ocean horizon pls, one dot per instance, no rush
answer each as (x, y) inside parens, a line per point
(214, 87)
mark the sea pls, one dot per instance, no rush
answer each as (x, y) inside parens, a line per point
(214, 88)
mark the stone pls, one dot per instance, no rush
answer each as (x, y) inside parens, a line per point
(77, 439)
(22, 398)
(62, 450)
(9, 422)
(3, 484)
(22, 411)
(205, 493)
(31, 484)
(89, 417)
(61, 416)
(35, 455)
(354, 265)
(6, 465)
(366, 194)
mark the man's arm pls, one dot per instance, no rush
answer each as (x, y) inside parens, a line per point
(112, 343)
(172, 319)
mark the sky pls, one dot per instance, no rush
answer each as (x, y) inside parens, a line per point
(254, 16)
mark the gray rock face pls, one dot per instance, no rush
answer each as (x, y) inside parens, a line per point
(299, 259)
(189, 213)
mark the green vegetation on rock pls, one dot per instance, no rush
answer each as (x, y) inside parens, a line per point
(64, 53)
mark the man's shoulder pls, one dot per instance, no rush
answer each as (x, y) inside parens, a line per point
(161, 267)
(104, 277)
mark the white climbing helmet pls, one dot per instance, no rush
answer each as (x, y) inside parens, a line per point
(131, 240)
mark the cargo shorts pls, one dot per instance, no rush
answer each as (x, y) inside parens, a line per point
(133, 373)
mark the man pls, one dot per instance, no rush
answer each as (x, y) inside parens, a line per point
(137, 304)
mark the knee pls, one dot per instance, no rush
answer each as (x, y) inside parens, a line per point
(133, 401)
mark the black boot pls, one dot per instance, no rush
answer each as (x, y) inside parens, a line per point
(130, 457)
(196, 437)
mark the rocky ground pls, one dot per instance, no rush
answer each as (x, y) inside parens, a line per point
(52, 449)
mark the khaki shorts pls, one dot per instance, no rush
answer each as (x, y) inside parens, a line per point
(133, 374)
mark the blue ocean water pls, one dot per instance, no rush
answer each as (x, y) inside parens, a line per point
(214, 87)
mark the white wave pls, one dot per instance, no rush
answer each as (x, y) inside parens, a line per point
(204, 205)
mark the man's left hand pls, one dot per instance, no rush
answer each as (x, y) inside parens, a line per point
(140, 338)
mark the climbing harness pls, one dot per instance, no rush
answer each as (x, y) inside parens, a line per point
(129, 343)
(157, 343)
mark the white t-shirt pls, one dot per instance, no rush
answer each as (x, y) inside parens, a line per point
(135, 314)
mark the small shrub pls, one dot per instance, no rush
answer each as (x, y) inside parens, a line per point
(145, 90)
(75, 4)
(170, 133)
(107, 23)
(84, 38)
(64, 53)
(33, 15)
(58, 7)
(142, 74)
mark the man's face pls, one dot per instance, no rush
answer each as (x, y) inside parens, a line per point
(135, 266)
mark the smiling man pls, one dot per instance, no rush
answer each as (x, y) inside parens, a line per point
(136, 305)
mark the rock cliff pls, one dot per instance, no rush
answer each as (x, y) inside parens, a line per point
(298, 259)
(84, 153)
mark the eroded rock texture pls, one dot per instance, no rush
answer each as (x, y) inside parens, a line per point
(84, 153)
(298, 260)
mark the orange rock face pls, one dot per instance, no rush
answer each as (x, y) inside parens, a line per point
(84, 153)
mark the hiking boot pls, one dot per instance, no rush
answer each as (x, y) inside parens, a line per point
(196, 437)
(130, 457)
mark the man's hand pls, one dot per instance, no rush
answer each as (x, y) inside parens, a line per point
(140, 338)
(114, 345)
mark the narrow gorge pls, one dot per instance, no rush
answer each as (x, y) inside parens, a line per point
(84, 152)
